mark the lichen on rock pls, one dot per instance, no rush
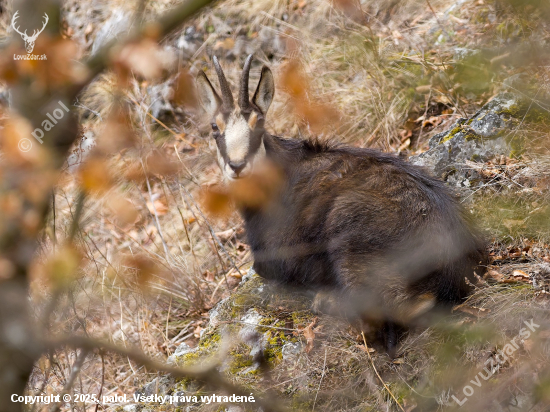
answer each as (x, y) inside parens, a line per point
(493, 131)
(248, 333)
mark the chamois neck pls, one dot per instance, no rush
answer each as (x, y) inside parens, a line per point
(284, 152)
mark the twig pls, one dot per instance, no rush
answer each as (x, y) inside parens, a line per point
(190, 208)
(377, 374)
(425, 114)
(211, 229)
(163, 26)
(102, 378)
(75, 370)
(19, 356)
(320, 381)
(164, 245)
(77, 214)
(82, 106)
(436, 18)
(54, 234)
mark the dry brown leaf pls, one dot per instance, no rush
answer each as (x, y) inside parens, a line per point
(472, 310)
(116, 134)
(405, 144)
(226, 44)
(309, 334)
(144, 58)
(95, 176)
(7, 269)
(216, 201)
(362, 347)
(432, 121)
(405, 134)
(184, 90)
(18, 145)
(317, 116)
(61, 267)
(197, 331)
(520, 274)
(159, 164)
(257, 189)
(352, 8)
(493, 274)
(159, 206)
(144, 268)
(225, 235)
(209, 276)
(124, 210)
(134, 171)
(489, 173)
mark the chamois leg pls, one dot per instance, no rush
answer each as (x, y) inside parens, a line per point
(390, 336)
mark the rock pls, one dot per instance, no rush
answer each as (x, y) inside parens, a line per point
(291, 351)
(189, 42)
(491, 132)
(157, 386)
(181, 350)
(253, 334)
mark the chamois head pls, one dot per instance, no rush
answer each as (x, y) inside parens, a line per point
(238, 130)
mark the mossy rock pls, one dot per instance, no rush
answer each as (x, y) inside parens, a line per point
(252, 330)
(495, 130)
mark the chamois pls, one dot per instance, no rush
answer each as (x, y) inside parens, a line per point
(378, 239)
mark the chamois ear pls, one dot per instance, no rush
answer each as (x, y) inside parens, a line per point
(209, 98)
(265, 91)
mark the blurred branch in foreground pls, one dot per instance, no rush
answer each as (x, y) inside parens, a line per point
(28, 179)
(207, 373)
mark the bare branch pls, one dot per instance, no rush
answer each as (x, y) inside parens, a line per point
(209, 374)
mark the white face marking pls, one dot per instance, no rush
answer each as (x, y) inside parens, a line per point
(229, 174)
(237, 138)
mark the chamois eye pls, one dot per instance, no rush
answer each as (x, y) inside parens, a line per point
(215, 127)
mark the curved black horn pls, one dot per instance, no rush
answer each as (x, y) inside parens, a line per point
(244, 99)
(227, 97)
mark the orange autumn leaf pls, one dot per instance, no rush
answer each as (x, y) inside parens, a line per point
(95, 176)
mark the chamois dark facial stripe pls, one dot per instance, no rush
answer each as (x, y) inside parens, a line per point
(255, 141)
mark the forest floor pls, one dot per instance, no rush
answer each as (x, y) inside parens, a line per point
(386, 74)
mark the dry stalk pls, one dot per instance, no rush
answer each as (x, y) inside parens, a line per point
(377, 374)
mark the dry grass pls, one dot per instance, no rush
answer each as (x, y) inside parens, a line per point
(380, 73)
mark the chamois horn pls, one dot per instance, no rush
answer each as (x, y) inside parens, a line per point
(244, 99)
(227, 97)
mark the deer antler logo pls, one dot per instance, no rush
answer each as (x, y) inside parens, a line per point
(29, 40)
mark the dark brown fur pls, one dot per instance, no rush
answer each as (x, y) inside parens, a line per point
(377, 230)
(383, 241)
